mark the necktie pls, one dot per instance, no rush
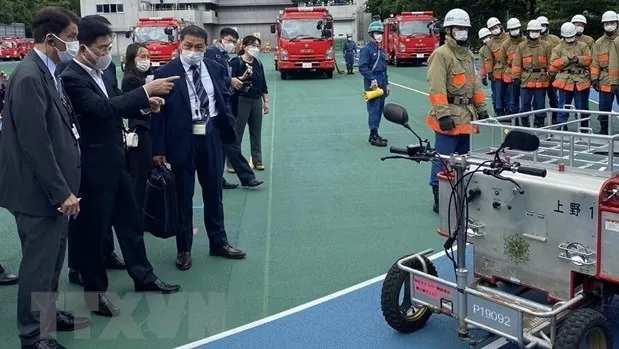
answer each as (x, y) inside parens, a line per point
(65, 101)
(201, 93)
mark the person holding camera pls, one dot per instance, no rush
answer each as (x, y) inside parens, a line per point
(253, 98)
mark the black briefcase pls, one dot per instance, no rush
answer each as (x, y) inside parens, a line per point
(161, 205)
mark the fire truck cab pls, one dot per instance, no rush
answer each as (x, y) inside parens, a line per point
(304, 41)
(9, 49)
(411, 37)
(161, 37)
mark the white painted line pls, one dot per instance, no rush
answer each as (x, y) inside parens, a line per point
(293, 310)
(499, 343)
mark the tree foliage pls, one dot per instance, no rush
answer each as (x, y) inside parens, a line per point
(22, 11)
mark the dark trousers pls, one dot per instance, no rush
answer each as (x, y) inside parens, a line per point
(447, 145)
(532, 98)
(349, 56)
(102, 206)
(141, 164)
(249, 114)
(238, 162)
(43, 244)
(553, 101)
(581, 102)
(606, 104)
(74, 250)
(207, 160)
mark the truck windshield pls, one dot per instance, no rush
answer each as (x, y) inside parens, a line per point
(148, 34)
(415, 28)
(300, 28)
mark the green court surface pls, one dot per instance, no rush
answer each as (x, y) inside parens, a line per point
(330, 215)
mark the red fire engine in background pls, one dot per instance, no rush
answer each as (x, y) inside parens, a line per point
(304, 41)
(160, 35)
(14, 48)
(410, 37)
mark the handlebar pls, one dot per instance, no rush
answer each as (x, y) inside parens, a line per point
(532, 171)
(396, 150)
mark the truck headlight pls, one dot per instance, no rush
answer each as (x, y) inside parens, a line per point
(283, 54)
(330, 54)
(402, 47)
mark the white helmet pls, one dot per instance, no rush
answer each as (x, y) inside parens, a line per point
(610, 16)
(492, 22)
(458, 18)
(568, 30)
(484, 32)
(513, 23)
(543, 20)
(579, 19)
(534, 25)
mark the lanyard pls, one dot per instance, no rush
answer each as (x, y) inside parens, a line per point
(193, 88)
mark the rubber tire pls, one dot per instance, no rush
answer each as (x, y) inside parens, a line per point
(284, 75)
(329, 74)
(573, 330)
(390, 296)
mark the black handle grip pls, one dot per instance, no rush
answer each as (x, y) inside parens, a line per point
(396, 150)
(532, 171)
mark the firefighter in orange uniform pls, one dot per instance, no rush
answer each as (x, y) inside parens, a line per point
(553, 40)
(455, 92)
(510, 89)
(495, 75)
(485, 58)
(571, 59)
(601, 79)
(530, 70)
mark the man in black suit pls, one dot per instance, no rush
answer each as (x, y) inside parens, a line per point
(189, 134)
(106, 191)
(40, 176)
(111, 259)
(219, 53)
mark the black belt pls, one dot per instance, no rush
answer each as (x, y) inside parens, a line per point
(460, 100)
(531, 70)
(573, 71)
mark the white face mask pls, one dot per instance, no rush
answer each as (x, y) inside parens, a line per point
(460, 35)
(143, 66)
(570, 39)
(72, 49)
(192, 57)
(229, 47)
(544, 29)
(514, 32)
(378, 37)
(580, 29)
(253, 51)
(349, 39)
(534, 35)
(485, 40)
(496, 31)
(101, 62)
(610, 27)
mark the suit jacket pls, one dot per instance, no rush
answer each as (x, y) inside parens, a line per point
(216, 54)
(171, 129)
(39, 152)
(110, 71)
(100, 118)
(131, 82)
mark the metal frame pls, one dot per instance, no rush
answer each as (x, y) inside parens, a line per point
(574, 149)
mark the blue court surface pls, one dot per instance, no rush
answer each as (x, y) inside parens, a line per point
(352, 319)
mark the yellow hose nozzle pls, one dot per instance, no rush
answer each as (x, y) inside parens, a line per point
(370, 95)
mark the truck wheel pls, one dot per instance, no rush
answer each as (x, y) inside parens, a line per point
(403, 317)
(396, 62)
(284, 75)
(585, 328)
(275, 65)
(330, 74)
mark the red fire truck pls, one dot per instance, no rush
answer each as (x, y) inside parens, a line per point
(161, 37)
(410, 37)
(9, 49)
(304, 41)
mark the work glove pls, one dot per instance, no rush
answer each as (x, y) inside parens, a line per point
(573, 59)
(446, 123)
(482, 115)
(596, 85)
(484, 81)
(614, 89)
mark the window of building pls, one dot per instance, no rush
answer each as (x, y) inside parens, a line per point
(110, 8)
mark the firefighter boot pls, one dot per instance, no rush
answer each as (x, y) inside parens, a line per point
(539, 122)
(604, 127)
(377, 140)
(435, 193)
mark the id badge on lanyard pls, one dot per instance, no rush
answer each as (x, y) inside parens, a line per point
(75, 133)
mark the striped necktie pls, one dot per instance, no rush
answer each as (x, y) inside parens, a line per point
(201, 93)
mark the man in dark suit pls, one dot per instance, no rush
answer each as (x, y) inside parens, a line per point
(219, 53)
(106, 191)
(111, 259)
(40, 176)
(189, 134)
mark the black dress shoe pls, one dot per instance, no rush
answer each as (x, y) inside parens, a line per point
(253, 183)
(183, 260)
(75, 277)
(8, 278)
(227, 251)
(44, 344)
(66, 322)
(101, 305)
(157, 286)
(113, 262)
(227, 185)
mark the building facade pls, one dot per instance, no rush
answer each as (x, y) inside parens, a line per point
(248, 17)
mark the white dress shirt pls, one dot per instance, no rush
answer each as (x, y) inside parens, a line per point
(51, 66)
(208, 86)
(96, 75)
